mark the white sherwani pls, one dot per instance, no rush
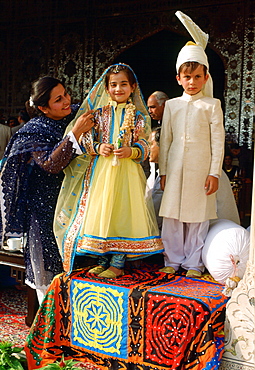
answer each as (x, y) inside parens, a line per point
(191, 148)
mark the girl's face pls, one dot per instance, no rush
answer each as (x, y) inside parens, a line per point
(119, 87)
(59, 103)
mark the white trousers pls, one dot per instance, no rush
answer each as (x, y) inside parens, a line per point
(183, 243)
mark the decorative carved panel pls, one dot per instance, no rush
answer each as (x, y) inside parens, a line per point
(30, 64)
(70, 66)
(3, 76)
(239, 326)
(76, 41)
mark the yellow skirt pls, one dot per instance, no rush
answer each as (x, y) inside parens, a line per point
(117, 218)
(110, 214)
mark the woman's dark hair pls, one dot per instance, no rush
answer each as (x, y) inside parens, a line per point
(40, 94)
(120, 68)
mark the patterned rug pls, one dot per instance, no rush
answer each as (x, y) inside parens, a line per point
(13, 309)
(145, 320)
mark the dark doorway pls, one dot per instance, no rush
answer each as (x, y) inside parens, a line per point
(153, 60)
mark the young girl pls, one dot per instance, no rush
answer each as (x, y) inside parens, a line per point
(111, 219)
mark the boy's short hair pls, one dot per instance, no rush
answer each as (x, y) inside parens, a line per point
(191, 67)
(234, 146)
(157, 131)
(229, 154)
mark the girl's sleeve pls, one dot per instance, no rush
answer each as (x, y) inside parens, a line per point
(89, 140)
(140, 147)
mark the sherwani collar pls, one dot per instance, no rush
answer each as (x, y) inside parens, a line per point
(191, 98)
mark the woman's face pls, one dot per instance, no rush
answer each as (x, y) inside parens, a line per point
(59, 103)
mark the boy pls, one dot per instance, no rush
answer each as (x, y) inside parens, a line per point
(190, 159)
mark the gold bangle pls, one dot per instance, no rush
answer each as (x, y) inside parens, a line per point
(136, 153)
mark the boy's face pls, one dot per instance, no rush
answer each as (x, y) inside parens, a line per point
(228, 160)
(193, 82)
(154, 148)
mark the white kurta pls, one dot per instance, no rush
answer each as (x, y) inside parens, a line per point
(191, 148)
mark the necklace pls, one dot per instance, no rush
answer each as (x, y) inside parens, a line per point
(127, 126)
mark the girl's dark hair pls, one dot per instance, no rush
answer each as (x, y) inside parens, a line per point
(120, 68)
(40, 94)
(190, 67)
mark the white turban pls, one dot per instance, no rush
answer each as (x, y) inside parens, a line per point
(192, 53)
(195, 52)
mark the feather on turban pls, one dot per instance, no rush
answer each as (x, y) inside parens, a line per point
(194, 52)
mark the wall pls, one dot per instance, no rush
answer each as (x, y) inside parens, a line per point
(75, 41)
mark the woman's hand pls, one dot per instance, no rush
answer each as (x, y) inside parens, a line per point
(83, 124)
(124, 152)
(105, 149)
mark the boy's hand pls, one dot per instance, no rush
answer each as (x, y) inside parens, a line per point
(105, 149)
(162, 182)
(211, 184)
(124, 152)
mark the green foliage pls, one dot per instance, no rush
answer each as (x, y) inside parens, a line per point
(11, 357)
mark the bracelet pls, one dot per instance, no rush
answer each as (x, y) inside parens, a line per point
(96, 148)
(136, 153)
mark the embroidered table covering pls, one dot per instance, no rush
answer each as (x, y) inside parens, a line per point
(145, 320)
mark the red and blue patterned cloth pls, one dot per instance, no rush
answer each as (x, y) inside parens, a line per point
(145, 320)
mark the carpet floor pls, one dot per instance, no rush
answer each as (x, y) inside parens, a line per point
(13, 309)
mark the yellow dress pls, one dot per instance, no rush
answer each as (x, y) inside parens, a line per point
(112, 215)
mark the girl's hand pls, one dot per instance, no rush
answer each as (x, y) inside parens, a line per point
(105, 149)
(162, 182)
(124, 152)
(211, 184)
(83, 124)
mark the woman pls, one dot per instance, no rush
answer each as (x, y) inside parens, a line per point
(31, 176)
